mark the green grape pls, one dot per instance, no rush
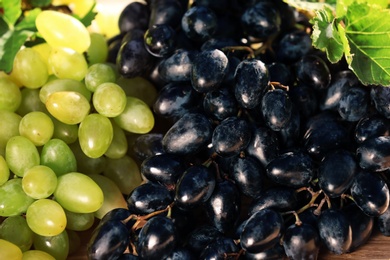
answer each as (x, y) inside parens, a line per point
(78, 193)
(113, 197)
(85, 164)
(29, 68)
(13, 200)
(74, 241)
(10, 251)
(67, 64)
(98, 50)
(68, 107)
(10, 95)
(30, 102)
(140, 88)
(37, 254)
(79, 221)
(109, 100)
(65, 132)
(97, 74)
(46, 217)
(9, 127)
(16, 230)
(136, 118)
(57, 246)
(95, 135)
(57, 85)
(118, 147)
(58, 156)
(39, 182)
(21, 154)
(37, 126)
(4, 171)
(63, 30)
(44, 50)
(124, 172)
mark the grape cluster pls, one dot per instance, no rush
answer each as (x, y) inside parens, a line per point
(262, 150)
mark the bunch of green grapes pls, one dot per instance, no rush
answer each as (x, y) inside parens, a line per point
(66, 117)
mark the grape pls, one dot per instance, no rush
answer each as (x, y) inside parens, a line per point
(95, 135)
(119, 146)
(30, 102)
(4, 171)
(371, 126)
(57, 85)
(97, 51)
(18, 202)
(29, 68)
(37, 127)
(139, 87)
(68, 64)
(219, 248)
(380, 98)
(74, 241)
(166, 12)
(98, 74)
(65, 132)
(63, 30)
(199, 23)
(8, 128)
(293, 46)
(68, 107)
(178, 66)
(313, 71)
(16, 230)
(78, 193)
(10, 95)
(86, 164)
(109, 99)
(220, 104)
(37, 254)
(21, 154)
(78, 221)
(372, 154)
(44, 50)
(134, 15)
(39, 182)
(46, 217)
(276, 108)
(57, 246)
(354, 104)
(10, 250)
(160, 40)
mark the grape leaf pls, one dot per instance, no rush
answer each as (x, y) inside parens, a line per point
(12, 11)
(89, 17)
(29, 20)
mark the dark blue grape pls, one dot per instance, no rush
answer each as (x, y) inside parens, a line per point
(134, 16)
(219, 249)
(262, 231)
(380, 96)
(157, 238)
(199, 23)
(188, 135)
(293, 45)
(201, 237)
(166, 12)
(251, 80)
(383, 222)
(336, 172)
(220, 104)
(290, 135)
(280, 72)
(371, 193)
(231, 136)
(147, 145)
(374, 154)
(181, 253)
(208, 70)
(178, 66)
(354, 104)
(371, 126)
(120, 214)
(276, 108)
(305, 99)
(160, 40)
(313, 71)
(274, 253)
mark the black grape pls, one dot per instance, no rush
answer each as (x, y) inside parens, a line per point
(220, 104)
(293, 45)
(292, 169)
(383, 222)
(160, 40)
(199, 23)
(380, 96)
(177, 67)
(290, 135)
(166, 12)
(218, 43)
(189, 134)
(301, 242)
(180, 253)
(304, 99)
(276, 108)
(274, 253)
(157, 238)
(120, 214)
(280, 72)
(371, 126)
(134, 16)
(201, 237)
(262, 231)
(313, 71)
(374, 154)
(148, 145)
(194, 187)
(370, 193)
(336, 172)
(251, 80)
(231, 136)
(354, 104)
(219, 248)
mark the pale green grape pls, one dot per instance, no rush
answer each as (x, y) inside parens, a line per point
(9, 127)
(78, 193)
(118, 147)
(124, 172)
(65, 132)
(113, 197)
(4, 171)
(21, 154)
(68, 107)
(37, 254)
(13, 200)
(57, 85)
(58, 156)
(109, 100)
(37, 126)
(85, 164)
(30, 102)
(57, 246)
(140, 88)
(79, 221)
(44, 50)
(46, 217)
(39, 182)
(136, 118)
(74, 241)
(63, 30)
(10, 95)
(97, 74)
(29, 68)
(95, 135)
(10, 251)
(68, 64)
(16, 230)
(98, 50)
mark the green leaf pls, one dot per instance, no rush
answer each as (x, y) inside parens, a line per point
(12, 11)
(342, 5)
(10, 43)
(326, 35)
(368, 32)
(89, 17)
(28, 21)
